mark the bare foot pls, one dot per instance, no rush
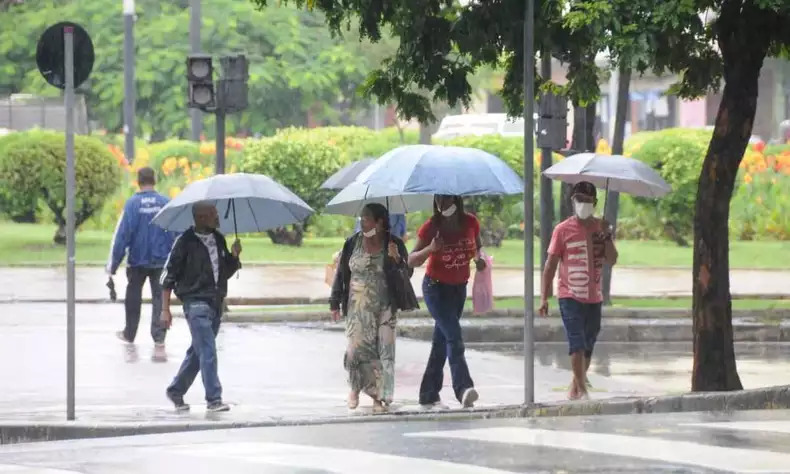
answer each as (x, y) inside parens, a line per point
(353, 400)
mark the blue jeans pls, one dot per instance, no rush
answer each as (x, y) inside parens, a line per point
(446, 305)
(203, 320)
(582, 323)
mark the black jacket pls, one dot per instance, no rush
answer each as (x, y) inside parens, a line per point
(340, 287)
(188, 269)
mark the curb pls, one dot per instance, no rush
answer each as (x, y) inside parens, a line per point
(771, 398)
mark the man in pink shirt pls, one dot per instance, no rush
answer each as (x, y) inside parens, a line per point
(580, 246)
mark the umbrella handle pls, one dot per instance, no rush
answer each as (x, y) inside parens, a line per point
(232, 205)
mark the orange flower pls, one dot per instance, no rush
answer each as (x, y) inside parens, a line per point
(747, 178)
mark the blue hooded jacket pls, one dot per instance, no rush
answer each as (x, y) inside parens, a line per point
(147, 244)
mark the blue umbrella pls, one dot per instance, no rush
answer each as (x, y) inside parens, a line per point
(450, 170)
(246, 203)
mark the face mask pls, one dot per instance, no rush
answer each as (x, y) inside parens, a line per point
(370, 233)
(583, 210)
(449, 211)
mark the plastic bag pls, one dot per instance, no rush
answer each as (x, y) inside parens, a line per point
(483, 287)
(329, 271)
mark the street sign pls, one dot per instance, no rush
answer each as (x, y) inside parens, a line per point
(51, 58)
(64, 56)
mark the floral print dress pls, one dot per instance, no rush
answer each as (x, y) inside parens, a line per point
(370, 327)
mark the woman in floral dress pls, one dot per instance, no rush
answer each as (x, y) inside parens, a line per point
(364, 292)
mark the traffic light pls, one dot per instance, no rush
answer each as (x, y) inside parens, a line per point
(552, 121)
(200, 76)
(232, 93)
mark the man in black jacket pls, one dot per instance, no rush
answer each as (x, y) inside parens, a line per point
(198, 269)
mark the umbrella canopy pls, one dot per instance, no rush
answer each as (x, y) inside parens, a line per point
(355, 196)
(434, 169)
(346, 175)
(612, 172)
(246, 203)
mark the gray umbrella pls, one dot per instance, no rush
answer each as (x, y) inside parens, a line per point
(346, 175)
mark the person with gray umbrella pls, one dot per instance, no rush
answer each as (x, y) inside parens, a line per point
(580, 246)
(198, 269)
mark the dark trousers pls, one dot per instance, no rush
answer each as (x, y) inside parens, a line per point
(446, 305)
(136, 277)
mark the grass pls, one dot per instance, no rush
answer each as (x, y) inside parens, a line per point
(518, 303)
(26, 243)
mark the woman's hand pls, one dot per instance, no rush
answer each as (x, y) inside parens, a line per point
(335, 315)
(392, 251)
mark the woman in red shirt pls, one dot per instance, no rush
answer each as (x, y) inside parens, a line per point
(448, 241)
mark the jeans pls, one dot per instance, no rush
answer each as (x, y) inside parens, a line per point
(136, 277)
(203, 320)
(582, 323)
(446, 305)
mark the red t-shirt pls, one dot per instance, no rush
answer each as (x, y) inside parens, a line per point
(451, 264)
(581, 256)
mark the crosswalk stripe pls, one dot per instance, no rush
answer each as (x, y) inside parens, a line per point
(765, 426)
(651, 448)
(335, 460)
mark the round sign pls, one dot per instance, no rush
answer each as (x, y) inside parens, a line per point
(51, 55)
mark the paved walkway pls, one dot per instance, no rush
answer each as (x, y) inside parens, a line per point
(269, 372)
(280, 282)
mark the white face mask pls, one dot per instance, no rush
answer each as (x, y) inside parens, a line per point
(583, 210)
(449, 211)
(370, 233)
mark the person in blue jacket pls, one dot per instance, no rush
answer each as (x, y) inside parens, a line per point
(147, 246)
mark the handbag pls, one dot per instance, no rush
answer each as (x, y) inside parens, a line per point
(405, 298)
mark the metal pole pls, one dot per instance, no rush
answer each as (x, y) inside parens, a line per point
(68, 36)
(220, 114)
(546, 185)
(529, 224)
(129, 95)
(195, 22)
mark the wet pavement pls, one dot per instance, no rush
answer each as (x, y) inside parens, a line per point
(269, 372)
(307, 282)
(751, 441)
(666, 364)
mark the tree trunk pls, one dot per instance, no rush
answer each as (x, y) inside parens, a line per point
(284, 236)
(714, 354)
(425, 134)
(582, 140)
(613, 199)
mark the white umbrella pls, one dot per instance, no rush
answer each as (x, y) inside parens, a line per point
(610, 172)
(246, 203)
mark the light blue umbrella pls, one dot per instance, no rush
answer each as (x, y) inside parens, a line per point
(246, 203)
(353, 198)
(435, 169)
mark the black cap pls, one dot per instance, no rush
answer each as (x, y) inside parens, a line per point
(584, 188)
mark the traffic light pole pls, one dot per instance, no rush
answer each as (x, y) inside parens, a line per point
(220, 116)
(129, 95)
(195, 22)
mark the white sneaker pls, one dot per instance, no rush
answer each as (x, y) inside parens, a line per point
(469, 398)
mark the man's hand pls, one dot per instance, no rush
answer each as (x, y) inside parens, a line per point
(392, 251)
(235, 250)
(166, 318)
(543, 309)
(335, 315)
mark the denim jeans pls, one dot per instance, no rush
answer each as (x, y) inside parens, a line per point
(203, 320)
(446, 305)
(136, 277)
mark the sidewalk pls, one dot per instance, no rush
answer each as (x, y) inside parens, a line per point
(302, 284)
(269, 372)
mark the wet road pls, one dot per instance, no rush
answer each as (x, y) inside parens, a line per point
(267, 371)
(751, 441)
(667, 365)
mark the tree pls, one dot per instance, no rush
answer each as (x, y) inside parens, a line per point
(705, 41)
(295, 64)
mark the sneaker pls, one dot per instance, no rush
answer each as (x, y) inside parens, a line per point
(215, 407)
(120, 335)
(178, 402)
(431, 406)
(160, 354)
(469, 398)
